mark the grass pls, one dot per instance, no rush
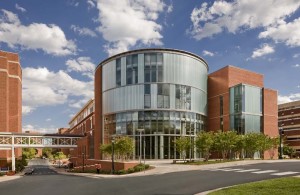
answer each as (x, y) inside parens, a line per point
(282, 186)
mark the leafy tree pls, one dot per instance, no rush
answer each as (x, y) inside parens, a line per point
(239, 148)
(287, 150)
(182, 146)
(124, 147)
(204, 142)
(59, 156)
(29, 153)
(275, 144)
(224, 142)
(264, 143)
(252, 144)
(47, 152)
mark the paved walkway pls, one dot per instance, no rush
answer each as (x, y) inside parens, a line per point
(161, 167)
(166, 166)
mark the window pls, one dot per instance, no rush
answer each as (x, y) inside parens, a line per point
(163, 95)
(147, 96)
(183, 97)
(118, 72)
(132, 69)
(153, 67)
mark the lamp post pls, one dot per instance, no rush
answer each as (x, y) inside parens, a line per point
(140, 130)
(112, 155)
(280, 142)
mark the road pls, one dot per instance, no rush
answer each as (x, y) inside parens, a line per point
(187, 182)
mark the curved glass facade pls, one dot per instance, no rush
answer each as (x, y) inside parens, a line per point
(163, 92)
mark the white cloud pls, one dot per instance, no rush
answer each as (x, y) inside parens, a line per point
(27, 109)
(263, 50)
(20, 8)
(126, 23)
(240, 15)
(50, 38)
(83, 31)
(296, 55)
(296, 65)
(288, 98)
(48, 119)
(289, 33)
(42, 87)
(82, 65)
(91, 4)
(207, 53)
(37, 129)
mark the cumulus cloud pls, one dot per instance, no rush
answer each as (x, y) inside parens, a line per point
(263, 50)
(27, 109)
(38, 129)
(83, 31)
(288, 98)
(42, 87)
(288, 33)
(207, 53)
(20, 8)
(127, 23)
(82, 65)
(296, 65)
(49, 38)
(241, 15)
(91, 4)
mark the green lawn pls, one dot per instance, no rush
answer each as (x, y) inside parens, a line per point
(282, 186)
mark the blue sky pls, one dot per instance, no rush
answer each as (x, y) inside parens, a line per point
(61, 42)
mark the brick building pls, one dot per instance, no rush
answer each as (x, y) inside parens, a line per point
(289, 121)
(83, 123)
(168, 93)
(237, 100)
(10, 98)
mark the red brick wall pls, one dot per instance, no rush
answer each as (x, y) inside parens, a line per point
(270, 116)
(105, 165)
(219, 83)
(98, 112)
(11, 97)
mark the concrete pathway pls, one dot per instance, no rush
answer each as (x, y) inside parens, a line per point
(161, 167)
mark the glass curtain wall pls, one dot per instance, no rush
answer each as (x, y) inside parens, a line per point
(162, 93)
(246, 109)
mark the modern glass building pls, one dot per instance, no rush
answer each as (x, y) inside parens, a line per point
(246, 108)
(161, 92)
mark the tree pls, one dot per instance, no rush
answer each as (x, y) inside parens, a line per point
(124, 147)
(252, 143)
(287, 150)
(106, 149)
(224, 142)
(47, 152)
(264, 143)
(204, 143)
(182, 146)
(28, 153)
(239, 148)
(275, 144)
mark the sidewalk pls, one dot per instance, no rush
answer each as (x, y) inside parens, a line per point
(166, 166)
(161, 167)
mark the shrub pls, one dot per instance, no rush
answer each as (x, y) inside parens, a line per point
(121, 172)
(130, 170)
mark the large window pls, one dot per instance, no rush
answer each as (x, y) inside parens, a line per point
(245, 108)
(147, 96)
(163, 95)
(183, 97)
(153, 67)
(132, 69)
(118, 72)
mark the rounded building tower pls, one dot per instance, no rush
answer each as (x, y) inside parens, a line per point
(161, 93)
